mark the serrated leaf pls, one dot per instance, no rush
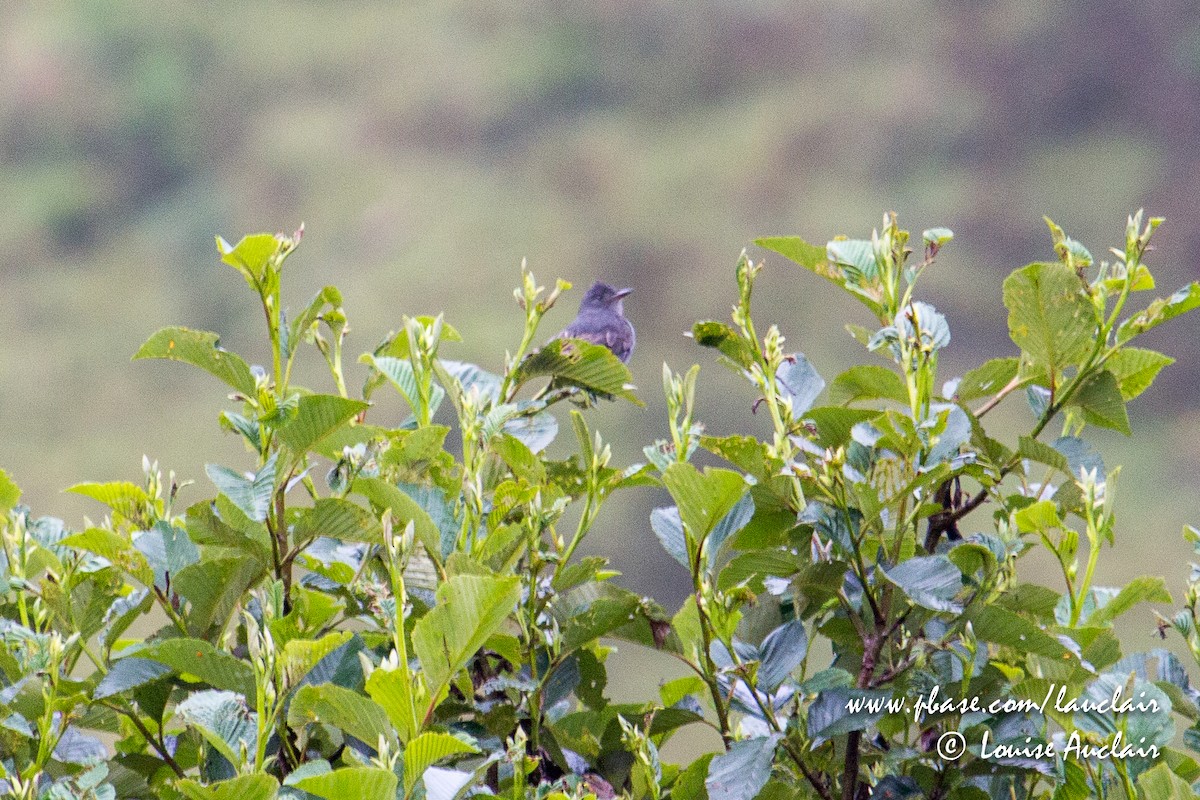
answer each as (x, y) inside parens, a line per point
(799, 381)
(470, 608)
(200, 659)
(342, 708)
(213, 588)
(834, 423)
(471, 376)
(1042, 453)
(1160, 311)
(251, 256)
(741, 773)
(1160, 783)
(575, 362)
(809, 256)
(252, 495)
(317, 416)
(1135, 369)
(361, 783)
(781, 653)
(425, 751)
(338, 519)
(1144, 589)
(200, 349)
(993, 623)
(127, 674)
(725, 339)
(535, 431)
(1050, 317)
(987, 379)
(167, 549)
(668, 527)
(1100, 401)
(404, 510)
(867, 382)
(1040, 516)
(398, 697)
(258, 786)
(224, 721)
(703, 498)
(10, 494)
(929, 581)
(115, 548)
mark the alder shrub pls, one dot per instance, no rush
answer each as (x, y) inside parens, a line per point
(364, 611)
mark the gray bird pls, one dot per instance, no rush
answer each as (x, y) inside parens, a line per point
(601, 320)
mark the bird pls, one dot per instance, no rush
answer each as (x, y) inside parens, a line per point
(601, 320)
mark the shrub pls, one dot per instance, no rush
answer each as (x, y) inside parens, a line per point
(375, 612)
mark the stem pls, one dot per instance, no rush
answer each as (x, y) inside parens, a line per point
(157, 743)
(1009, 387)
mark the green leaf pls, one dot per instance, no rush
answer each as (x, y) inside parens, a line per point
(993, 623)
(258, 786)
(809, 256)
(338, 519)
(223, 524)
(398, 696)
(200, 349)
(987, 379)
(318, 416)
(342, 708)
(404, 510)
(1144, 589)
(361, 783)
(1160, 783)
(214, 586)
(575, 362)
(929, 581)
(741, 772)
(208, 664)
(310, 317)
(9, 493)
(123, 497)
(252, 495)
(1160, 311)
(1042, 453)
(224, 721)
(470, 608)
(425, 751)
(703, 499)
(729, 342)
(1135, 369)
(834, 424)
(399, 371)
(1040, 516)
(251, 256)
(114, 547)
(867, 382)
(129, 673)
(1100, 401)
(1050, 317)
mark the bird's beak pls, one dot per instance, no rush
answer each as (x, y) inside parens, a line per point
(623, 293)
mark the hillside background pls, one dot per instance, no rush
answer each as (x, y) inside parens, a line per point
(429, 147)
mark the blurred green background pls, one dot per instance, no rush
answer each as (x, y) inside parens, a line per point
(429, 147)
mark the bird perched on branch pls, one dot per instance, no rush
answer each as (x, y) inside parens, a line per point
(601, 320)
